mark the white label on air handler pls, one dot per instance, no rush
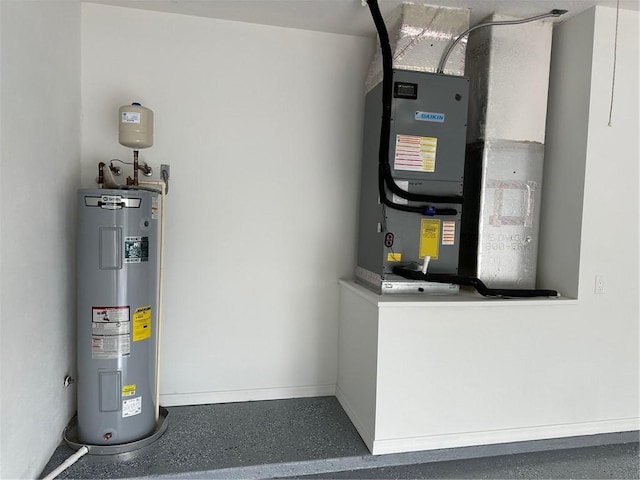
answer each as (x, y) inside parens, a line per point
(430, 117)
(130, 117)
(404, 185)
(417, 154)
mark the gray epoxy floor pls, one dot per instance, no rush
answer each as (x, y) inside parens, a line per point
(216, 437)
(313, 438)
(602, 462)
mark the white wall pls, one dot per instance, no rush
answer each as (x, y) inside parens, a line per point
(611, 208)
(590, 206)
(40, 154)
(262, 129)
(591, 210)
(565, 154)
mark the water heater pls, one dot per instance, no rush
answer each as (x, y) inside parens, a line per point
(118, 274)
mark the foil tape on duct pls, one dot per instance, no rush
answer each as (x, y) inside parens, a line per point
(419, 35)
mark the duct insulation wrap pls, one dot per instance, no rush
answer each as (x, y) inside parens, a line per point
(118, 274)
(500, 220)
(419, 36)
(508, 68)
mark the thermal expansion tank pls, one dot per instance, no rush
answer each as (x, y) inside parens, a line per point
(118, 266)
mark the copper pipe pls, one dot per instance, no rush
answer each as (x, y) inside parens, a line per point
(134, 181)
(101, 166)
(135, 167)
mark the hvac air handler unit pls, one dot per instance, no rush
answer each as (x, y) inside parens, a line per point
(413, 194)
(426, 157)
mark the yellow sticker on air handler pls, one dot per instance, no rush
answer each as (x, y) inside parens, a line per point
(142, 323)
(394, 257)
(129, 390)
(429, 237)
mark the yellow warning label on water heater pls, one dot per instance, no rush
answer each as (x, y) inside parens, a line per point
(129, 390)
(142, 323)
(429, 237)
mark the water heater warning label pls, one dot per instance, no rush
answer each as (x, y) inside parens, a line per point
(110, 330)
(136, 249)
(142, 323)
(129, 390)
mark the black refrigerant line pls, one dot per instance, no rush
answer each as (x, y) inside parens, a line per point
(476, 283)
(385, 177)
(427, 210)
(384, 169)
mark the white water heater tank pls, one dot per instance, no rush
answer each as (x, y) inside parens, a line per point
(135, 128)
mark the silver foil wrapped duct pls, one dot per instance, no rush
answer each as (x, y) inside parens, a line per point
(419, 35)
(501, 213)
(508, 68)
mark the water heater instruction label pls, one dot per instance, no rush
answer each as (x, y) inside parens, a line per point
(142, 323)
(416, 154)
(131, 407)
(111, 329)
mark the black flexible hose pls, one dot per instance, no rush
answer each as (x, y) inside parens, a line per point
(427, 210)
(476, 283)
(417, 197)
(385, 128)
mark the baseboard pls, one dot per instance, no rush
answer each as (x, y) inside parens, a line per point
(468, 439)
(249, 395)
(365, 434)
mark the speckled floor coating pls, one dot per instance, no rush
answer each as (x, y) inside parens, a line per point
(313, 436)
(213, 437)
(601, 462)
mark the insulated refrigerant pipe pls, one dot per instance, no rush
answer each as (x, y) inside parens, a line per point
(163, 187)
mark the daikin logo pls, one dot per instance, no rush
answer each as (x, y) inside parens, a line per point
(430, 117)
